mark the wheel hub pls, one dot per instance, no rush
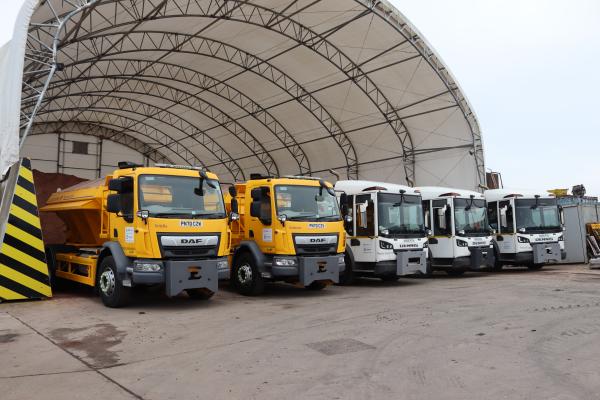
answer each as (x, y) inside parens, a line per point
(107, 282)
(244, 274)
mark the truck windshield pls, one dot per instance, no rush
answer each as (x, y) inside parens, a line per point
(305, 203)
(167, 196)
(400, 215)
(537, 218)
(470, 216)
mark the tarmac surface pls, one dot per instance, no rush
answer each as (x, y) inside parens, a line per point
(516, 334)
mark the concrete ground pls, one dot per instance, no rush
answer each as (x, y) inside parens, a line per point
(510, 335)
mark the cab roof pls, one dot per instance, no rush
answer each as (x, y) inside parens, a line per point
(361, 186)
(502, 194)
(434, 192)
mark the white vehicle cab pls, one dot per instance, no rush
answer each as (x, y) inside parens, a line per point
(386, 235)
(462, 237)
(529, 225)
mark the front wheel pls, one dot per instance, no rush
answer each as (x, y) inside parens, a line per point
(347, 277)
(111, 289)
(246, 277)
(200, 294)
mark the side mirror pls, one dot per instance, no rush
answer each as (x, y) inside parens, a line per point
(121, 185)
(362, 207)
(234, 206)
(113, 203)
(232, 191)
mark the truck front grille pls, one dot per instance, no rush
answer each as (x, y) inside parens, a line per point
(189, 252)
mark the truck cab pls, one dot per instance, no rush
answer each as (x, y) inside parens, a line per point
(461, 236)
(386, 234)
(143, 226)
(529, 227)
(289, 229)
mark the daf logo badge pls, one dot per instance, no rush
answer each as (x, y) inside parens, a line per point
(192, 241)
(318, 240)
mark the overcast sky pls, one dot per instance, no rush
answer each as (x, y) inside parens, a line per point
(529, 69)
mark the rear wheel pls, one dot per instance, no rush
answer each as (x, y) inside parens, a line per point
(455, 272)
(497, 263)
(200, 294)
(111, 289)
(316, 285)
(246, 276)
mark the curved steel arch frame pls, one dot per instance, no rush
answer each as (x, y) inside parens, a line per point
(269, 19)
(161, 116)
(101, 132)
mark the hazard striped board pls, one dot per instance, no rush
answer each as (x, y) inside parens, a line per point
(23, 268)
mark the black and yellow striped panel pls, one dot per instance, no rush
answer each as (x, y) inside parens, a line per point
(23, 269)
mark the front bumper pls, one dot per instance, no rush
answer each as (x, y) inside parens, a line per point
(544, 253)
(309, 269)
(479, 259)
(180, 275)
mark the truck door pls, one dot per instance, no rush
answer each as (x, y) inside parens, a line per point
(260, 228)
(123, 229)
(363, 245)
(441, 243)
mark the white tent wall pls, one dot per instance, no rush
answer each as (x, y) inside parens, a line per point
(263, 86)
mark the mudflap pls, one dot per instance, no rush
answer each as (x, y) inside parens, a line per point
(199, 274)
(411, 262)
(482, 257)
(546, 252)
(312, 269)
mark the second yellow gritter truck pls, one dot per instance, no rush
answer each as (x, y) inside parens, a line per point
(143, 226)
(289, 229)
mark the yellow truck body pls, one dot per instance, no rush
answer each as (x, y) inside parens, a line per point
(289, 229)
(164, 225)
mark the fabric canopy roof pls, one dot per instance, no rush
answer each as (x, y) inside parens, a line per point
(277, 87)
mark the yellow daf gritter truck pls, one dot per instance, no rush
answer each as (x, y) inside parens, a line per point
(288, 229)
(143, 226)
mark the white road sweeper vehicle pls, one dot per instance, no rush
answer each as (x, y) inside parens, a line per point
(386, 235)
(529, 227)
(462, 237)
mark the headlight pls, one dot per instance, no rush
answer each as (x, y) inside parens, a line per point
(222, 265)
(341, 259)
(386, 245)
(147, 267)
(522, 239)
(462, 243)
(284, 262)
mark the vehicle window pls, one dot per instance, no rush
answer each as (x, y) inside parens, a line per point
(506, 223)
(365, 223)
(470, 216)
(167, 196)
(306, 203)
(492, 211)
(441, 219)
(399, 214)
(427, 214)
(350, 225)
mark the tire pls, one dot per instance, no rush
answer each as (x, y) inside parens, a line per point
(497, 263)
(455, 272)
(316, 286)
(246, 276)
(347, 277)
(200, 294)
(389, 278)
(535, 267)
(110, 287)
